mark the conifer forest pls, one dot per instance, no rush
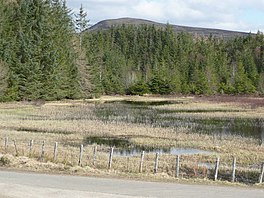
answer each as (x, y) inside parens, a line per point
(47, 53)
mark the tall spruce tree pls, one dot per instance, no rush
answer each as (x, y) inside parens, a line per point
(155, 57)
(81, 47)
(39, 56)
(81, 24)
(4, 73)
(3, 79)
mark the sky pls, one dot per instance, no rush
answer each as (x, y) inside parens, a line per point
(239, 15)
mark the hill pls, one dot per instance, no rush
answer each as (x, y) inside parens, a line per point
(153, 59)
(203, 32)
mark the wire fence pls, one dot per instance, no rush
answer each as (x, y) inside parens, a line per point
(101, 157)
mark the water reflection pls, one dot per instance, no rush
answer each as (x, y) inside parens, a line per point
(172, 151)
(109, 141)
(143, 113)
(123, 147)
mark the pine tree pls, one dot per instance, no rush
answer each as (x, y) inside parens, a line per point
(81, 24)
(250, 66)
(4, 76)
(65, 72)
(210, 69)
(243, 84)
(84, 67)
(43, 55)
(40, 60)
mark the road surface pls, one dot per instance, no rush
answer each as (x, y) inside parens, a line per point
(32, 185)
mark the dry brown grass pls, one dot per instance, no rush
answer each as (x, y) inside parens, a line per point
(69, 122)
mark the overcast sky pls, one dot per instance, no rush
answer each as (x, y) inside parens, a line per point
(241, 15)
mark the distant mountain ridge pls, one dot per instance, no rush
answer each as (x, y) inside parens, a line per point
(202, 32)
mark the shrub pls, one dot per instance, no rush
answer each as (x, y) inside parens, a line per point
(139, 88)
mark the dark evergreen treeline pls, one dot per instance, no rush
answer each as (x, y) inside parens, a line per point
(43, 57)
(144, 59)
(37, 58)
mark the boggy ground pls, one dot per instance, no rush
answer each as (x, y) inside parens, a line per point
(70, 122)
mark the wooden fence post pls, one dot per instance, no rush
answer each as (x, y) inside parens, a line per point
(81, 155)
(141, 161)
(177, 171)
(15, 147)
(261, 173)
(110, 158)
(94, 154)
(233, 170)
(156, 165)
(30, 147)
(42, 151)
(128, 161)
(6, 144)
(55, 151)
(216, 168)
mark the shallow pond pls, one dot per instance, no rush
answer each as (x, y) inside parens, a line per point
(172, 151)
(143, 113)
(123, 147)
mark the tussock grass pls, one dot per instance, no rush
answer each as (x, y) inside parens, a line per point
(69, 123)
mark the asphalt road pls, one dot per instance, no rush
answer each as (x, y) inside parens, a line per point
(32, 185)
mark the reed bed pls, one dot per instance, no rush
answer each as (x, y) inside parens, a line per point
(69, 123)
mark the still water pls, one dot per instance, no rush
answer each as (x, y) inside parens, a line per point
(143, 113)
(172, 151)
(123, 147)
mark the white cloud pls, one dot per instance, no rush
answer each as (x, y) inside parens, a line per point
(148, 9)
(224, 14)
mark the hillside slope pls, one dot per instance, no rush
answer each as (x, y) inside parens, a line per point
(204, 32)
